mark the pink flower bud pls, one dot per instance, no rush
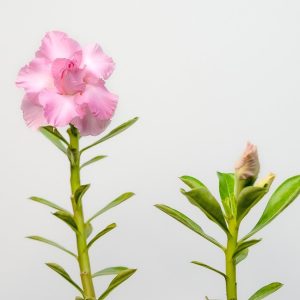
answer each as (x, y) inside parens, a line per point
(248, 166)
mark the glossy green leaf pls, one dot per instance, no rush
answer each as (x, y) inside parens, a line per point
(209, 267)
(79, 193)
(54, 138)
(205, 201)
(120, 278)
(266, 291)
(249, 197)
(183, 219)
(49, 242)
(110, 271)
(226, 185)
(93, 160)
(226, 190)
(113, 133)
(101, 233)
(244, 245)
(48, 203)
(67, 218)
(79, 298)
(192, 182)
(112, 204)
(284, 195)
(241, 256)
(61, 271)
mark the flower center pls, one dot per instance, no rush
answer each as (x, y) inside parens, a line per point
(68, 78)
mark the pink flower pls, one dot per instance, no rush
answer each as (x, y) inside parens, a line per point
(248, 166)
(65, 84)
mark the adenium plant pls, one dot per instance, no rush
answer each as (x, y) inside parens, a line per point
(239, 193)
(65, 87)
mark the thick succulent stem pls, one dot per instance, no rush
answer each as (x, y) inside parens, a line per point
(81, 237)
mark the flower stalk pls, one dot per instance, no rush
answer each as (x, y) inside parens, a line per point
(81, 237)
(231, 281)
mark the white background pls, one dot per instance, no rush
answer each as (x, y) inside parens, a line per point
(204, 77)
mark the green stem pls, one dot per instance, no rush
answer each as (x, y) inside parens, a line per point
(83, 255)
(231, 284)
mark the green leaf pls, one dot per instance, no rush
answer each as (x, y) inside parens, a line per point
(113, 133)
(101, 233)
(110, 271)
(284, 195)
(249, 197)
(121, 277)
(241, 256)
(88, 229)
(226, 189)
(79, 193)
(209, 267)
(48, 203)
(54, 138)
(226, 185)
(244, 245)
(67, 218)
(49, 242)
(183, 219)
(61, 271)
(205, 201)
(192, 182)
(266, 291)
(55, 132)
(79, 298)
(112, 204)
(93, 160)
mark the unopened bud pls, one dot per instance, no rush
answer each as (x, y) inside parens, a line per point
(248, 166)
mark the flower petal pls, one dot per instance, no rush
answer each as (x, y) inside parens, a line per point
(59, 109)
(90, 124)
(97, 62)
(36, 76)
(57, 44)
(100, 101)
(33, 112)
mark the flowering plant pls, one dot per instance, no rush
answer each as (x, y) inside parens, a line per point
(239, 193)
(65, 86)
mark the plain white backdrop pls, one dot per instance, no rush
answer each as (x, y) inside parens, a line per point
(204, 77)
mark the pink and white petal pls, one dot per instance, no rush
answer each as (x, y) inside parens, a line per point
(59, 110)
(57, 44)
(90, 124)
(36, 76)
(100, 101)
(33, 112)
(95, 61)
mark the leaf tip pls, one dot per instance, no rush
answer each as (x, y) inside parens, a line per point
(183, 191)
